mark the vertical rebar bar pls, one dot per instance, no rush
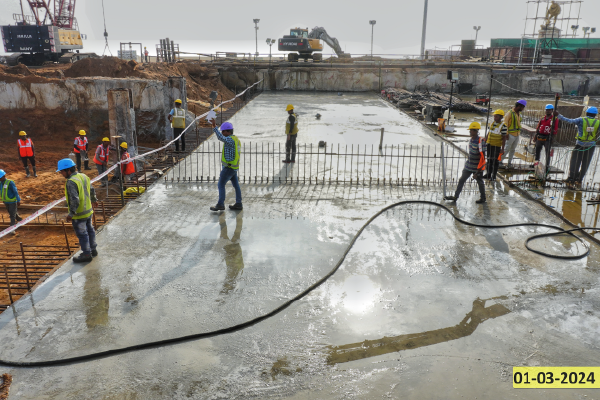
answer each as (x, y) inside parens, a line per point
(352, 152)
(310, 165)
(25, 266)
(65, 232)
(10, 298)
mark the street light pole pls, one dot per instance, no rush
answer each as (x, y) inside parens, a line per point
(424, 31)
(270, 43)
(256, 21)
(372, 22)
(477, 28)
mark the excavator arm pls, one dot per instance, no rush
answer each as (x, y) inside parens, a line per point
(320, 33)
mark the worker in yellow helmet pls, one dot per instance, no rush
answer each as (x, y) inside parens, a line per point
(291, 130)
(495, 141)
(80, 148)
(177, 120)
(26, 152)
(101, 159)
(475, 164)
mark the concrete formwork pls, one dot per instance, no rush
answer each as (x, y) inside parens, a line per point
(121, 118)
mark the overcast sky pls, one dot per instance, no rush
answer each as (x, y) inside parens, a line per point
(399, 22)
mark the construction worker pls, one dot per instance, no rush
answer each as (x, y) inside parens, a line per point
(230, 159)
(146, 54)
(81, 198)
(584, 145)
(80, 148)
(291, 130)
(512, 120)
(10, 197)
(101, 159)
(496, 141)
(26, 152)
(128, 167)
(542, 133)
(177, 120)
(475, 164)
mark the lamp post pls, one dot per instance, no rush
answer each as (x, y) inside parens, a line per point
(477, 28)
(256, 21)
(270, 42)
(372, 22)
(574, 28)
(424, 31)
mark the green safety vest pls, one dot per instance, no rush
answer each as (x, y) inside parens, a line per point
(4, 192)
(515, 124)
(287, 125)
(84, 210)
(590, 129)
(235, 164)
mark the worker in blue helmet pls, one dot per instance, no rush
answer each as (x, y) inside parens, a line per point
(81, 200)
(543, 132)
(10, 197)
(585, 144)
(230, 160)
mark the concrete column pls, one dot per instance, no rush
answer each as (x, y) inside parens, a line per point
(175, 90)
(121, 118)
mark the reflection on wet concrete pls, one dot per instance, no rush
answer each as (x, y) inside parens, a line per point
(233, 252)
(95, 299)
(371, 348)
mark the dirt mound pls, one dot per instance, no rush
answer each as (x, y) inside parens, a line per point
(18, 70)
(109, 67)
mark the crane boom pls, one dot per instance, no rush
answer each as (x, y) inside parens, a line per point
(60, 14)
(319, 32)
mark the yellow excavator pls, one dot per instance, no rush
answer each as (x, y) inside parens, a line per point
(303, 44)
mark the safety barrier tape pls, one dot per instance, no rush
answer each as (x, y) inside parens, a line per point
(53, 204)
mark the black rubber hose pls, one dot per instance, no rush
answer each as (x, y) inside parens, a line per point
(243, 325)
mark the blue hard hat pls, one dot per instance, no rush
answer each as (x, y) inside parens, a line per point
(522, 102)
(2, 173)
(65, 163)
(549, 107)
(592, 110)
(227, 126)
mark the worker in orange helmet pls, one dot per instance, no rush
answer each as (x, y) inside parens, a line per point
(26, 152)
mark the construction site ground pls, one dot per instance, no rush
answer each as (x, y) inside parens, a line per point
(423, 307)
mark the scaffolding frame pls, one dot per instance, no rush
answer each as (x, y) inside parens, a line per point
(542, 18)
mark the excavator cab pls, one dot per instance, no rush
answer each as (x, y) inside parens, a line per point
(301, 45)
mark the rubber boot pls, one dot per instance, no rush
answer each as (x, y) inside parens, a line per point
(34, 172)
(86, 164)
(236, 206)
(82, 258)
(27, 171)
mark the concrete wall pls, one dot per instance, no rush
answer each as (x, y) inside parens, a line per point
(373, 79)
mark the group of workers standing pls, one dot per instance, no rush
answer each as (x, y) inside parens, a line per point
(487, 154)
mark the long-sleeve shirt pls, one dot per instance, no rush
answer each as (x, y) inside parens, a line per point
(73, 195)
(579, 123)
(474, 155)
(228, 143)
(12, 191)
(508, 122)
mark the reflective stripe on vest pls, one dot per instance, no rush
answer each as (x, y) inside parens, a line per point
(235, 164)
(178, 120)
(25, 148)
(287, 125)
(127, 167)
(4, 192)
(84, 210)
(103, 155)
(515, 123)
(80, 144)
(495, 134)
(590, 129)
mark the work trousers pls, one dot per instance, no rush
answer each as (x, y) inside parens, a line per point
(542, 144)
(509, 148)
(492, 164)
(12, 213)
(465, 175)
(31, 159)
(101, 169)
(580, 161)
(78, 157)
(85, 233)
(290, 148)
(229, 174)
(177, 132)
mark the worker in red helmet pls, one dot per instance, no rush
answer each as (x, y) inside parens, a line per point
(230, 159)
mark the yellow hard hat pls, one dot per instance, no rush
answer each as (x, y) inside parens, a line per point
(178, 101)
(289, 107)
(475, 125)
(82, 132)
(123, 145)
(499, 112)
(22, 133)
(105, 139)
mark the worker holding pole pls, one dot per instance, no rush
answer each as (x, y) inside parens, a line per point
(80, 148)
(26, 152)
(177, 120)
(291, 130)
(475, 164)
(10, 197)
(81, 198)
(512, 120)
(496, 140)
(585, 144)
(230, 160)
(543, 132)
(101, 159)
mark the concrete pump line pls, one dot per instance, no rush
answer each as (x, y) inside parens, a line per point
(243, 325)
(49, 206)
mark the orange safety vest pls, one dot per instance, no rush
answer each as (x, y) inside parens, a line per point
(80, 144)
(128, 167)
(25, 148)
(481, 165)
(103, 155)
